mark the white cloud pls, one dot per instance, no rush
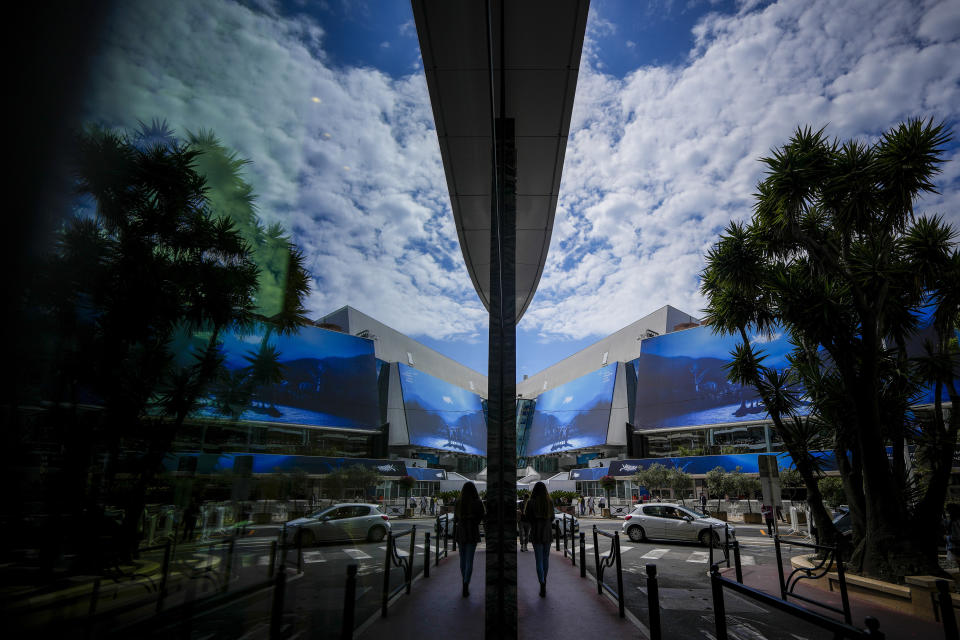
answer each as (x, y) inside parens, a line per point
(660, 161)
(657, 162)
(448, 399)
(347, 159)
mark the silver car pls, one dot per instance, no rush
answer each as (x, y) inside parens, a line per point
(666, 521)
(349, 521)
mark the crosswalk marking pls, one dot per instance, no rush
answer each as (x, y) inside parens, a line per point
(357, 554)
(624, 548)
(699, 556)
(747, 560)
(656, 554)
(313, 557)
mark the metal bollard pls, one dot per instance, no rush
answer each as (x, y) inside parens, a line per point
(299, 550)
(165, 572)
(620, 594)
(349, 603)
(596, 558)
(653, 601)
(873, 627)
(736, 560)
(945, 601)
(583, 555)
(556, 533)
(844, 599)
(273, 558)
(726, 544)
(276, 612)
(385, 595)
(719, 612)
(426, 554)
(229, 567)
(411, 557)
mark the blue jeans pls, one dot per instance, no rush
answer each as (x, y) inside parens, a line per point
(541, 553)
(466, 561)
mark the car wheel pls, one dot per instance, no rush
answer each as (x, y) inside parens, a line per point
(705, 538)
(306, 538)
(636, 533)
(376, 534)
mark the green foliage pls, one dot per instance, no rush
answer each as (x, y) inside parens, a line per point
(717, 483)
(790, 478)
(449, 497)
(835, 254)
(681, 483)
(832, 489)
(346, 482)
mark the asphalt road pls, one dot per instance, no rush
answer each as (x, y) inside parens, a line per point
(686, 601)
(314, 599)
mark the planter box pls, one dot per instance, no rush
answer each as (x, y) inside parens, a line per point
(753, 518)
(719, 515)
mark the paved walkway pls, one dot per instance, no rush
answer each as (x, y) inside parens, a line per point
(893, 623)
(572, 608)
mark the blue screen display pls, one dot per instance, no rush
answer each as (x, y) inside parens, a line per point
(574, 415)
(681, 379)
(441, 415)
(320, 378)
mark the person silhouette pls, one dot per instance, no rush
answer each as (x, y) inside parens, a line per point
(467, 516)
(539, 513)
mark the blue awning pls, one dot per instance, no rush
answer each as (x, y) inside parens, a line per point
(427, 475)
(594, 473)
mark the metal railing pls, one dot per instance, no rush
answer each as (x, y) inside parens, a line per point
(568, 536)
(831, 555)
(943, 610)
(609, 560)
(442, 532)
(393, 558)
(839, 629)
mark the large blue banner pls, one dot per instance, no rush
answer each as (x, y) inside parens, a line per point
(315, 378)
(214, 463)
(700, 465)
(574, 415)
(441, 415)
(681, 379)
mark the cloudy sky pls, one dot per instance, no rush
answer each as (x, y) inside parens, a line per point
(675, 103)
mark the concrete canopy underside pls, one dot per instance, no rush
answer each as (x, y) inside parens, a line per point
(542, 44)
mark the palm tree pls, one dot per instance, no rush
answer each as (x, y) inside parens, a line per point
(835, 255)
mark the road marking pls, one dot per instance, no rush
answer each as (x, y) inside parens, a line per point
(656, 554)
(747, 560)
(356, 554)
(313, 557)
(623, 548)
(699, 556)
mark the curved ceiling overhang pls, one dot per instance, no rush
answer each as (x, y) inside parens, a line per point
(542, 43)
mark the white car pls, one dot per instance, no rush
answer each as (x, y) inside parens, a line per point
(666, 521)
(350, 521)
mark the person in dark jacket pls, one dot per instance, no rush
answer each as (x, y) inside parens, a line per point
(467, 517)
(524, 525)
(539, 513)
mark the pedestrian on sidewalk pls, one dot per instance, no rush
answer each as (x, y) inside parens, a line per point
(583, 506)
(524, 525)
(590, 504)
(703, 502)
(767, 511)
(433, 505)
(539, 514)
(423, 505)
(466, 519)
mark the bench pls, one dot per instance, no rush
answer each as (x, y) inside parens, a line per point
(861, 583)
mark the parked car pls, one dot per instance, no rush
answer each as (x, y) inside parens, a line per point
(346, 521)
(665, 521)
(558, 518)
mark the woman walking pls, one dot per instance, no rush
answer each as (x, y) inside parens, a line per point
(467, 516)
(539, 513)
